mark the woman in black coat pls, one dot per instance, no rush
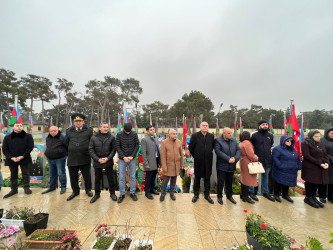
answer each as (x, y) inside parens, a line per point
(328, 142)
(315, 167)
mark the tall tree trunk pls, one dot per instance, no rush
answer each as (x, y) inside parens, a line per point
(97, 116)
(43, 118)
(92, 114)
(57, 119)
(8, 108)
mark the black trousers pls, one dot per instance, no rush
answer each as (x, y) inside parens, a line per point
(99, 176)
(244, 191)
(311, 189)
(74, 177)
(150, 181)
(173, 180)
(14, 176)
(227, 177)
(278, 187)
(330, 192)
(196, 186)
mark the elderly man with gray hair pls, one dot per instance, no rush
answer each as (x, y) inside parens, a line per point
(56, 153)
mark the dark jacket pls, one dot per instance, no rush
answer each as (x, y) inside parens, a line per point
(262, 142)
(127, 144)
(201, 148)
(286, 163)
(313, 156)
(15, 145)
(102, 146)
(224, 151)
(328, 142)
(55, 146)
(77, 142)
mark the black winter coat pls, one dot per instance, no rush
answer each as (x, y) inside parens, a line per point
(102, 146)
(224, 151)
(77, 142)
(15, 145)
(201, 148)
(55, 146)
(328, 142)
(263, 142)
(127, 144)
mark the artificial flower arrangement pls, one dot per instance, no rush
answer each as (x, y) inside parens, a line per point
(8, 235)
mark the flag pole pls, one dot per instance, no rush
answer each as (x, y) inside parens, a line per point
(16, 99)
(284, 122)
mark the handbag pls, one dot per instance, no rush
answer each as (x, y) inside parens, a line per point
(256, 168)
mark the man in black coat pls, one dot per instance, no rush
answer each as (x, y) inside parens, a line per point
(56, 153)
(17, 147)
(201, 148)
(77, 141)
(102, 148)
(263, 141)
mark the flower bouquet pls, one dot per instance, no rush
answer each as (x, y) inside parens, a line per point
(8, 235)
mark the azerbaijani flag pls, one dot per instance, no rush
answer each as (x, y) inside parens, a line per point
(303, 130)
(157, 134)
(119, 125)
(126, 118)
(184, 132)
(13, 117)
(30, 125)
(217, 129)
(2, 124)
(270, 126)
(51, 122)
(289, 130)
(136, 126)
(241, 124)
(194, 126)
(70, 121)
(235, 128)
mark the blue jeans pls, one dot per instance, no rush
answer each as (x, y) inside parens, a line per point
(122, 172)
(57, 168)
(264, 182)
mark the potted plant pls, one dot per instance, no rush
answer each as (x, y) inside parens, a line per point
(34, 222)
(186, 182)
(261, 235)
(8, 235)
(143, 245)
(47, 238)
(16, 216)
(122, 242)
(104, 238)
(70, 242)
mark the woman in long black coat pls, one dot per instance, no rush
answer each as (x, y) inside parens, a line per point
(328, 142)
(315, 167)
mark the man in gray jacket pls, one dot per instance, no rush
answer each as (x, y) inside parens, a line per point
(151, 161)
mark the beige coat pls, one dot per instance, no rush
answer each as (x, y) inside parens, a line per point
(247, 156)
(172, 157)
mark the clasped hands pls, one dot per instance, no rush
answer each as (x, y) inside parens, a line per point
(128, 159)
(17, 159)
(232, 160)
(324, 165)
(103, 160)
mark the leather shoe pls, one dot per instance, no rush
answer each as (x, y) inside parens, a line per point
(219, 200)
(27, 190)
(133, 196)
(287, 198)
(322, 200)
(63, 190)
(11, 193)
(162, 197)
(121, 198)
(89, 193)
(232, 200)
(173, 197)
(248, 200)
(154, 191)
(113, 197)
(72, 196)
(48, 190)
(318, 202)
(268, 196)
(195, 198)
(149, 196)
(95, 198)
(254, 197)
(277, 198)
(209, 199)
(311, 202)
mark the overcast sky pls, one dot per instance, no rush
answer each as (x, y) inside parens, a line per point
(235, 52)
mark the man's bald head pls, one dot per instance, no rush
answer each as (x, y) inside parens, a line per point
(173, 134)
(227, 133)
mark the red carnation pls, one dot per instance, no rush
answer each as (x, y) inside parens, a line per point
(263, 226)
(245, 211)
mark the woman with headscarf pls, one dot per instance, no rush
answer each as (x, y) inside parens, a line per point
(315, 167)
(286, 164)
(247, 156)
(328, 142)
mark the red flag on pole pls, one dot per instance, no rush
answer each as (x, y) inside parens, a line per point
(296, 133)
(184, 132)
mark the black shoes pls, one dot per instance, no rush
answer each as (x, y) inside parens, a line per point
(311, 202)
(269, 197)
(254, 197)
(11, 193)
(27, 190)
(247, 199)
(219, 200)
(89, 193)
(195, 198)
(95, 198)
(232, 200)
(209, 199)
(162, 197)
(322, 200)
(318, 202)
(173, 197)
(113, 197)
(71, 197)
(287, 198)
(121, 198)
(149, 196)
(133, 196)
(277, 198)
(63, 190)
(48, 190)
(154, 191)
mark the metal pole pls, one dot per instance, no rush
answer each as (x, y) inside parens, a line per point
(16, 98)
